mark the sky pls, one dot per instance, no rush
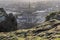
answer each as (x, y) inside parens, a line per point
(17, 1)
(25, 0)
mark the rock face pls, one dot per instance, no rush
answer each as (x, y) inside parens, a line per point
(8, 22)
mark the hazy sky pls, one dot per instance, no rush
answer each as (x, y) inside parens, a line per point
(16, 1)
(26, 0)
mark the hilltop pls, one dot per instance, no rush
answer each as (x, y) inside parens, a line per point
(49, 30)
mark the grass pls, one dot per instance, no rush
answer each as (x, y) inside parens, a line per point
(21, 38)
(13, 36)
(20, 35)
(57, 39)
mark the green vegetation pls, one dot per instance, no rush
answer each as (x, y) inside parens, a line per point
(57, 39)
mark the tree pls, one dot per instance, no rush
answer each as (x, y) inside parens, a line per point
(8, 22)
(51, 16)
(13, 21)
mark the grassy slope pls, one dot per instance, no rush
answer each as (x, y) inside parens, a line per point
(28, 34)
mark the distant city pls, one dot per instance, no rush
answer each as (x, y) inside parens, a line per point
(30, 12)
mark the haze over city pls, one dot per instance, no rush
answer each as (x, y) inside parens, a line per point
(43, 7)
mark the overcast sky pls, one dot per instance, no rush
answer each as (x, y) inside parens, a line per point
(26, 0)
(16, 1)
